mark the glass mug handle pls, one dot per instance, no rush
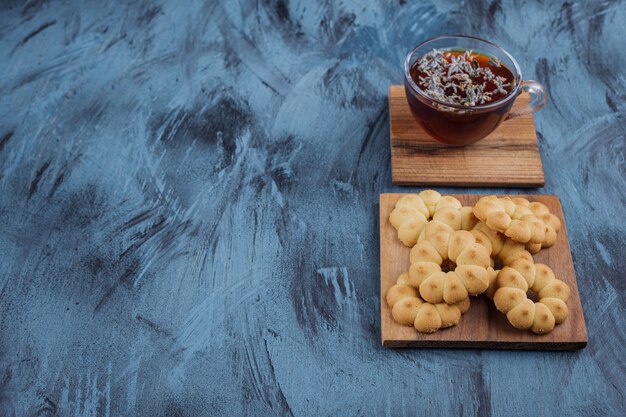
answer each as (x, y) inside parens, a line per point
(538, 98)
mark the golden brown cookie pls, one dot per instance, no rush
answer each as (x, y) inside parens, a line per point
(553, 224)
(409, 309)
(517, 220)
(500, 246)
(508, 291)
(413, 211)
(438, 243)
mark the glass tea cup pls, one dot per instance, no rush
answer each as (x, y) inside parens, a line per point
(458, 125)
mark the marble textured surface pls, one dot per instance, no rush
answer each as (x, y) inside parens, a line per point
(189, 202)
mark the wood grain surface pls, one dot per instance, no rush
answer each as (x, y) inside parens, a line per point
(483, 326)
(508, 157)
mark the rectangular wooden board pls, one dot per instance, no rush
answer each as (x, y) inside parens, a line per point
(508, 157)
(483, 326)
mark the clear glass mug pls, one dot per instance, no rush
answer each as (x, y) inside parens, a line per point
(459, 125)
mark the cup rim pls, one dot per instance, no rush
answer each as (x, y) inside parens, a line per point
(511, 96)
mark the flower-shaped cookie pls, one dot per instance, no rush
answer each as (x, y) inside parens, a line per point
(439, 243)
(517, 220)
(413, 211)
(508, 291)
(409, 309)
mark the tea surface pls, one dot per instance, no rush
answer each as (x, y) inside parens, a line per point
(462, 77)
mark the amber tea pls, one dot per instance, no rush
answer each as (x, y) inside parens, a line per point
(458, 79)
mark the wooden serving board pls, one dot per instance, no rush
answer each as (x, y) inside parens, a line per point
(509, 157)
(483, 326)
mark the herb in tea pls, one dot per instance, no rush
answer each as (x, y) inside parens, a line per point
(462, 77)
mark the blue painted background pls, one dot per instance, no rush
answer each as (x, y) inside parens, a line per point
(188, 207)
